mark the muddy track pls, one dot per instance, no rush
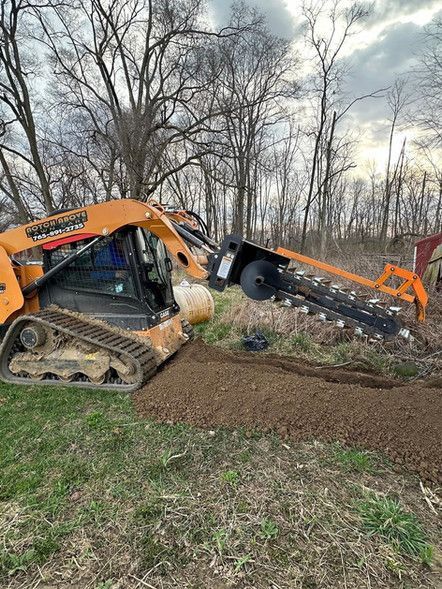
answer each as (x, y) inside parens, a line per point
(209, 387)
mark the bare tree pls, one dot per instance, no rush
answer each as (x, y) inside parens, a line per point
(428, 114)
(255, 77)
(397, 100)
(327, 79)
(136, 71)
(20, 146)
(287, 194)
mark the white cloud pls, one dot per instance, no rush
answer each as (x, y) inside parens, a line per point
(376, 66)
(278, 15)
(386, 11)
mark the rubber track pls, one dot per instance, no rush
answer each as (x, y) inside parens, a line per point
(81, 328)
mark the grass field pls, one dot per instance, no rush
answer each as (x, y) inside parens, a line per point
(92, 496)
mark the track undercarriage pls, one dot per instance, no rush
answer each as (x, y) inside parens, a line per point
(56, 346)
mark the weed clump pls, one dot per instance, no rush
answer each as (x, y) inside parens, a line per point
(355, 460)
(386, 518)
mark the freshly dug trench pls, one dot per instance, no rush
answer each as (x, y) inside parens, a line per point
(208, 387)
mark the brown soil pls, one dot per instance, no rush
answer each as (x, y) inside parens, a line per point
(208, 387)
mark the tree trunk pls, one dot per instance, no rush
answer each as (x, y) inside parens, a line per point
(386, 211)
(23, 216)
(326, 191)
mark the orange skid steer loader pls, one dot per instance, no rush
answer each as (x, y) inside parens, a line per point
(100, 311)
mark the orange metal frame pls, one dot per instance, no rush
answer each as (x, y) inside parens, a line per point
(410, 280)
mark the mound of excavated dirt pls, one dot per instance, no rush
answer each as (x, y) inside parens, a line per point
(208, 387)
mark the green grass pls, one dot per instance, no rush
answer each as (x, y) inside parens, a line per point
(302, 341)
(218, 330)
(89, 488)
(221, 331)
(386, 518)
(352, 459)
(231, 477)
(59, 443)
(406, 369)
(268, 529)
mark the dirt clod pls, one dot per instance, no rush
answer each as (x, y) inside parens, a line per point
(207, 387)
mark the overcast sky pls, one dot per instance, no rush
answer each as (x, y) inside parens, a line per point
(386, 48)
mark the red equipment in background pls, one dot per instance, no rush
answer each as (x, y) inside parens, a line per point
(425, 251)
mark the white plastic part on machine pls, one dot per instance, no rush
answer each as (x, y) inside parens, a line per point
(195, 301)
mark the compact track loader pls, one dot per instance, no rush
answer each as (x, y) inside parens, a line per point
(100, 311)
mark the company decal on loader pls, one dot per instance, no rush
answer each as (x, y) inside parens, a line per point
(58, 226)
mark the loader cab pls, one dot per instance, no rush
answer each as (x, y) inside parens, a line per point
(124, 279)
